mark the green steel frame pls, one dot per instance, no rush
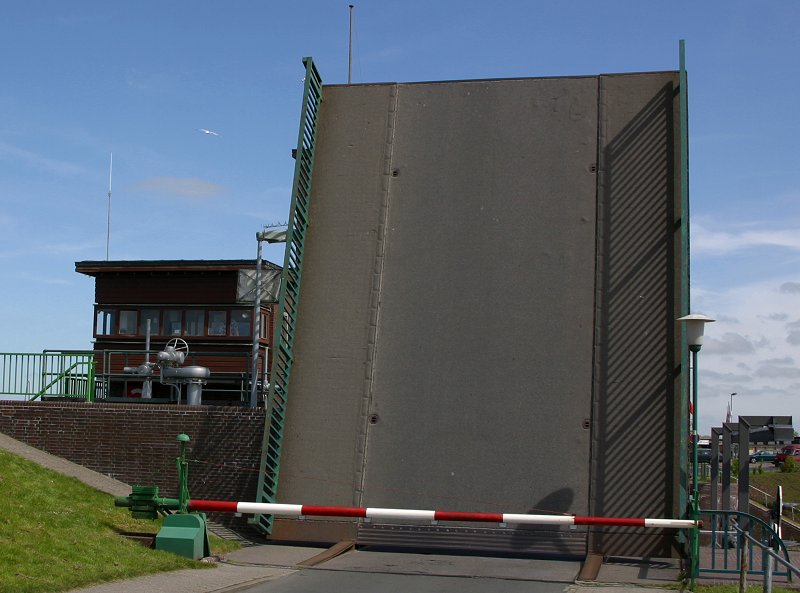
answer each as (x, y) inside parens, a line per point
(283, 341)
(683, 412)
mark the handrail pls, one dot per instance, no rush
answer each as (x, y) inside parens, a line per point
(723, 524)
(769, 498)
(61, 375)
(30, 376)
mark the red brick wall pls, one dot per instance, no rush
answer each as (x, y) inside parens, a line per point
(135, 443)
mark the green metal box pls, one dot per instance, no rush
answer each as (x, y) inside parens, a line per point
(184, 535)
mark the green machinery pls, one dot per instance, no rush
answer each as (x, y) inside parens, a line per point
(183, 533)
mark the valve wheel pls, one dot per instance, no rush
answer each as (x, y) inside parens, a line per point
(179, 345)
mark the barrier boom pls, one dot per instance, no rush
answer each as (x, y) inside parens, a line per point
(298, 510)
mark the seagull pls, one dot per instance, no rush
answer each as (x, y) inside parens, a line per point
(207, 131)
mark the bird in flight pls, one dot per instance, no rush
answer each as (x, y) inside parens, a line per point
(205, 131)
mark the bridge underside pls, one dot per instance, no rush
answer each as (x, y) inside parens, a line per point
(486, 320)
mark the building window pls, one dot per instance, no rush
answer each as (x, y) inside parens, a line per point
(264, 335)
(194, 323)
(152, 316)
(217, 322)
(240, 323)
(127, 323)
(104, 322)
(172, 322)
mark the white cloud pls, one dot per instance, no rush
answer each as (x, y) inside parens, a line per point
(38, 161)
(51, 249)
(790, 288)
(183, 187)
(729, 343)
(707, 242)
(777, 316)
(753, 350)
(30, 278)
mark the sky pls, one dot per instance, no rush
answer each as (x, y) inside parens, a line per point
(84, 79)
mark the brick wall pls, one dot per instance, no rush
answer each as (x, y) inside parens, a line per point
(135, 443)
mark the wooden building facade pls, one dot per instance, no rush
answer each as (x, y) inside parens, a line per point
(208, 304)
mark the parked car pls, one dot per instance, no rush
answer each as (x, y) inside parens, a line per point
(760, 456)
(788, 451)
(703, 455)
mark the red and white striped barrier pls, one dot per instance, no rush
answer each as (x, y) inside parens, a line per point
(302, 510)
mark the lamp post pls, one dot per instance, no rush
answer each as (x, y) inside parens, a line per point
(694, 325)
(269, 237)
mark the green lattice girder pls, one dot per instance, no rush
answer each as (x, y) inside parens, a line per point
(283, 340)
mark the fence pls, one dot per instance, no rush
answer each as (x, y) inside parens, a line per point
(767, 500)
(740, 543)
(230, 373)
(34, 376)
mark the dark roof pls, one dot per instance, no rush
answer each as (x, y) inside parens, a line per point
(93, 268)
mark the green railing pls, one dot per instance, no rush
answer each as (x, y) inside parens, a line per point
(36, 376)
(733, 542)
(283, 341)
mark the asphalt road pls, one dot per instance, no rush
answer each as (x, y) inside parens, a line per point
(326, 581)
(387, 572)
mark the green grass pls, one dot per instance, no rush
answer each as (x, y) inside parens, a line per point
(768, 482)
(58, 534)
(735, 588)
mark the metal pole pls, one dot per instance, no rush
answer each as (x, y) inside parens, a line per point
(183, 475)
(108, 222)
(695, 488)
(350, 49)
(743, 563)
(147, 384)
(256, 330)
(769, 565)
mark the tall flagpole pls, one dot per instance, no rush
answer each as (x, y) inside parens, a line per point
(108, 224)
(350, 49)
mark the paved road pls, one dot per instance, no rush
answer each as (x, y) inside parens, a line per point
(387, 572)
(325, 581)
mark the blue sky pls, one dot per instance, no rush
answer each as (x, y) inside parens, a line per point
(83, 79)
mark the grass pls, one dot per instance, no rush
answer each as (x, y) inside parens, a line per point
(58, 534)
(768, 482)
(735, 588)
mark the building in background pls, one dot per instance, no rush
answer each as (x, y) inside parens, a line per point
(209, 304)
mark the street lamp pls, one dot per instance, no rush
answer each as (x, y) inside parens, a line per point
(694, 325)
(274, 236)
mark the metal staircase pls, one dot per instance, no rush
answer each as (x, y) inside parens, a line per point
(283, 340)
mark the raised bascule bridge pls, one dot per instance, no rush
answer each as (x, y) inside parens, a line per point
(478, 310)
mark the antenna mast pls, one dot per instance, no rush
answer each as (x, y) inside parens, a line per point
(350, 49)
(108, 224)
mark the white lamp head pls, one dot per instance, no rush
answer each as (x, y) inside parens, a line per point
(695, 324)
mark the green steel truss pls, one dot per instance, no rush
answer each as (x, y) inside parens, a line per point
(289, 296)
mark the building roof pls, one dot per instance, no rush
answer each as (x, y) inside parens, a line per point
(93, 268)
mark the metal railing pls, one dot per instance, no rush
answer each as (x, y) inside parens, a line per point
(230, 373)
(51, 374)
(740, 543)
(758, 496)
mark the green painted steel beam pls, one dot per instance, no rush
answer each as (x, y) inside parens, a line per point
(683, 447)
(283, 341)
